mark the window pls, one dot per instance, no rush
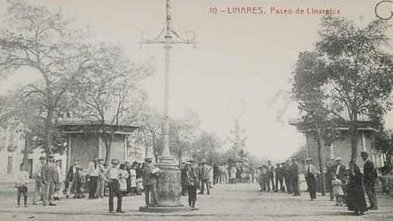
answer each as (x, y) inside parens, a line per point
(9, 165)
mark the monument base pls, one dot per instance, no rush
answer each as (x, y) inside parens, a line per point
(163, 209)
(168, 183)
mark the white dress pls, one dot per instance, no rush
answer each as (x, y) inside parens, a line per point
(133, 177)
(123, 180)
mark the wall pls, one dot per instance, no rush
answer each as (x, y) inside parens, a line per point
(10, 140)
(341, 148)
(83, 148)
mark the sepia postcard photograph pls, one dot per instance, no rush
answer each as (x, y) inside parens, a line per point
(183, 110)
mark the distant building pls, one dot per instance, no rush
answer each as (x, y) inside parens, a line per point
(341, 147)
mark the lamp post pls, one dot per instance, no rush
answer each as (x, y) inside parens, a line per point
(169, 181)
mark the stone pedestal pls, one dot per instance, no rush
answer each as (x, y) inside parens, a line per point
(169, 183)
(168, 188)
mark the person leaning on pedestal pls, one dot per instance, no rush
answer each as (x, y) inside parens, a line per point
(150, 173)
(191, 182)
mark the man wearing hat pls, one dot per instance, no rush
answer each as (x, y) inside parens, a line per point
(183, 174)
(38, 187)
(330, 172)
(70, 177)
(279, 177)
(270, 176)
(341, 174)
(191, 182)
(101, 179)
(150, 182)
(310, 175)
(295, 177)
(113, 175)
(370, 178)
(49, 179)
(205, 175)
(93, 172)
(288, 176)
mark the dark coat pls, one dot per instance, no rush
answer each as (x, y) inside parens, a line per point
(191, 178)
(70, 174)
(49, 173)
(355, 194)
(370, 173)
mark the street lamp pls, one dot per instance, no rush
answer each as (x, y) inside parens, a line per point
(169, 181)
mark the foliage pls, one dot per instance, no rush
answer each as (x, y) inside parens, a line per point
(347, 75)
(36, 40)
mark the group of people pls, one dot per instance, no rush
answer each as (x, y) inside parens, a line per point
(348, 186)
(99, 179)
(284, 177)
(96, 182)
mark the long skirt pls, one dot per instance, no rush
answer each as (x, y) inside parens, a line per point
(355, 198)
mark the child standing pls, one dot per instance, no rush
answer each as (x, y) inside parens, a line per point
(21, 184)
(123, 179)
(133, 179)
(79, 180)
(338, 191)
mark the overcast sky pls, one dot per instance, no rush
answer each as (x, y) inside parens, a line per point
(244, 59)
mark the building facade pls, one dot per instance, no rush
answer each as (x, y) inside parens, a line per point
(85, 141)
(341, 146)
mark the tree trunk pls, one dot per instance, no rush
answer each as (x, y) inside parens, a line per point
(323, 190)
(27, 149)
(354, 138)
(108, 144)
(48, 132)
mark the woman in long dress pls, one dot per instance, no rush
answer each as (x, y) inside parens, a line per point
(133, 179)
(123, 179)
(355, 196)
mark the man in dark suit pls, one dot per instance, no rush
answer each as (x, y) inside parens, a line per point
(370, 177)
(270, 173)
(70, 186)
(49, 179)
(311, 172)
(279, 177)
(295, 177)
(329, 177)
(288, 176)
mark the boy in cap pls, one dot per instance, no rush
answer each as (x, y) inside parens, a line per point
(113, 176)
(79, 181)
(21, 184)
